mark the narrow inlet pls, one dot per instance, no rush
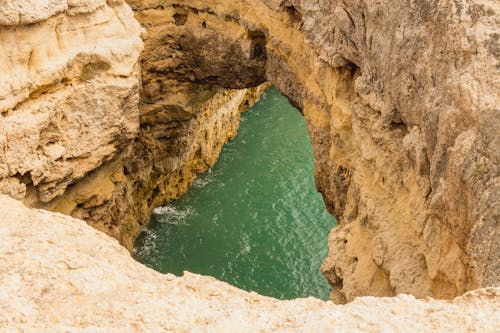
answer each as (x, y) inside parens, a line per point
(255, 220)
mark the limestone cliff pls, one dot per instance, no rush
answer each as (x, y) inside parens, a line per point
(75, 278)
(69, 96)
(401, 104)
(174, 143)
(401, 101)
(69, 75)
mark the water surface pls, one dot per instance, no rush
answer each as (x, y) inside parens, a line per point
(255, 219)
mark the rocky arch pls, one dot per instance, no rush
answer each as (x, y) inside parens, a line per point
(379, 163)
(402, 125)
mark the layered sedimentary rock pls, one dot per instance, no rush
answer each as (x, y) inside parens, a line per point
(69, 95)
(75, 135)
(69, 75)
(400, 101)
(172, 146)
(77, 278)
(401, 104)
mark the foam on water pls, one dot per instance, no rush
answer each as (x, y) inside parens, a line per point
(201, 182)
(148, 245)
(172, 214)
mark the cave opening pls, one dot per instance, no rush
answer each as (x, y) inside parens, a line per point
(258, 46)
(255, 219)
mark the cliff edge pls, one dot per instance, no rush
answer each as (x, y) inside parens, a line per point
(58, 273)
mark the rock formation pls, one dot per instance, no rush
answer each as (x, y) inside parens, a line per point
(400, 101)
(78, 278)
(75, 137)
(69, 94)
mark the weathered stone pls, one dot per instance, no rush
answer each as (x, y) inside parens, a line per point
(59, 274)
(69, 93)
(402, 117)
(401, 101)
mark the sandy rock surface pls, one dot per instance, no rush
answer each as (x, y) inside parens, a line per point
(59, 274)
(69, 92)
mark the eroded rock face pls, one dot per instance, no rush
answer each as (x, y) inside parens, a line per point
(160, 164)
(77, 278)
(69, 92)
(75, 135)
(421, 203)
(400, 101)
(69, 76)
(401, 104)
(184, 120)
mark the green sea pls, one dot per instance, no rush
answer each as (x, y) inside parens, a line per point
(255, 219)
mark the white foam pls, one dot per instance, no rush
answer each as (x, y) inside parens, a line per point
(202, 182)
(172, 215)
(148, 246)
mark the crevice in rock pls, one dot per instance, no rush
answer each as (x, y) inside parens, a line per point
(294, 15)
(258, 46)
(180, 18)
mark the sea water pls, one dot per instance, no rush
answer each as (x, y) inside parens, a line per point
(255, 219)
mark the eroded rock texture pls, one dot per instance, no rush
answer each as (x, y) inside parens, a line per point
(418, 158)
(75, 135)
(401, 101)
(401, 104)
(75, 278)
(69, 76)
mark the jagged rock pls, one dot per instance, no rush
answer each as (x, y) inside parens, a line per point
(73, 137)
(69, 91)
(402, 117)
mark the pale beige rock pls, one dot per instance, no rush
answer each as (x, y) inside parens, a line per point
(69, 91)
(59, 274)
(29, 11)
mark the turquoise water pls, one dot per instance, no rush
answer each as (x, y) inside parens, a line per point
(255, 219)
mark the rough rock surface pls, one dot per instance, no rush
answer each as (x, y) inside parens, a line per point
(401, 101)
(75, 137)
(69, 92)
(173, 145)
(57, 273)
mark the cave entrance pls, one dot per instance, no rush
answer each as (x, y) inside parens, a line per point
(255, 219)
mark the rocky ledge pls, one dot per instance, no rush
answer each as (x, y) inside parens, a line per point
(57, 273)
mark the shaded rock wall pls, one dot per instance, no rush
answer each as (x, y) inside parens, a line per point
(423, 184)
(159, 165)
